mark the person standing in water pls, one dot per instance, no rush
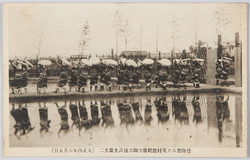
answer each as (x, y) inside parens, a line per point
(74, 74)
(42, 82)
(63, 75)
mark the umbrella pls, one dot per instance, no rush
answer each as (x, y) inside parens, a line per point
(86, 62)
(28, 63)
(95, 60)
(131, 62)
(139, 63)
(122, 61)
(112, 62)
(227, 58)
(165, 62)
(148, 61)
(45, 62)
(65, 61)
(177, 61)
(105, 62)
(184, 61)
(200, 61)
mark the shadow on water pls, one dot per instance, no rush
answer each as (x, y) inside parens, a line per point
(185, 115)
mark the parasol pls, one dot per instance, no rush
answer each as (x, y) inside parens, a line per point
(28, 63)
(184, 61)
(200, 61)
(227, 59)
(139, 63)
(148, 61)
(131, 62)
(65, 61)
(112, 62)
(86, 62)
(165, 62)
(122, 61)
(45, 62)
(177, 61)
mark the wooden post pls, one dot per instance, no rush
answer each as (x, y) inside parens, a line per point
(211, 66)
(219, 48)
(112, 53)
(238, 120)
(238, 62)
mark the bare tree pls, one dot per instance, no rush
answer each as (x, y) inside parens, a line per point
(84, 37)
(117, 24)
(124, 32)
(220, 20)
(174, 34)
(40, 37)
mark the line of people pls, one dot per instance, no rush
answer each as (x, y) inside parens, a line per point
(77, 73)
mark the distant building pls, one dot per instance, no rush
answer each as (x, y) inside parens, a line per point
(135, 54)
(74, 57)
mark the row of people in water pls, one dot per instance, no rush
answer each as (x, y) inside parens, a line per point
(80, 118)
(128, 77)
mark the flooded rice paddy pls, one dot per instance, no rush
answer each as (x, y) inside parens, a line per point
(200, 120)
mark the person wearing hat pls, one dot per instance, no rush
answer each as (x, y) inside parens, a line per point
(148, 76)
(82, 76)
(106, 77)
(163, 76)
(126, 79)
(63, 76)
(120, 78)
(20, 70)
(74, 74)
(196, 74)
(176, 74)
(93, 77)
(183, 75)
(42, 81)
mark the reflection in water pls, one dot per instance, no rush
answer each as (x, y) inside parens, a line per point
(162, 109)
(223, 114)
(173, 113)
(107, 119)
(74, 115)
(95, 114)
(179, 109)
(125, 113)
(64, 118)
(85, 121)
(148, 112)
(44, 121)
(184, 118)
(21, 116)
(135, 106)
(197, 110)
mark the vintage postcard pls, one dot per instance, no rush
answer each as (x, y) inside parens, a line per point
(125, 79)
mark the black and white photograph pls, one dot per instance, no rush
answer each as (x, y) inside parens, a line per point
(125, 79)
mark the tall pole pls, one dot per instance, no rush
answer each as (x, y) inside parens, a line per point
(140, 37)
(116, 42)
(195, 34)
(157, 37)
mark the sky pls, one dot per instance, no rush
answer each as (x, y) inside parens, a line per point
(59, 26)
